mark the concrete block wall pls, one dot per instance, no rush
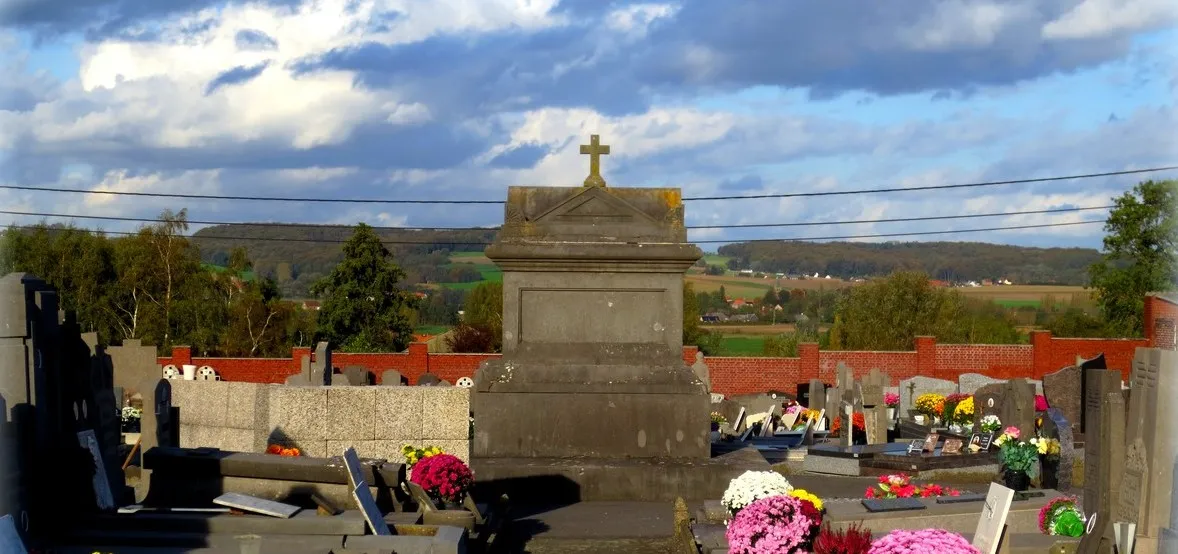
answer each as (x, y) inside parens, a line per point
(323, 421)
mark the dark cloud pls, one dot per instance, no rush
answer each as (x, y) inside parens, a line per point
(98, 18)
(239, 74)
(523, 156)
(253, 39)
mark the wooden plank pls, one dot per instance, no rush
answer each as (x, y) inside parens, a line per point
(256, 505)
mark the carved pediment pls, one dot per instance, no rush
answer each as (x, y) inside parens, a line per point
(595, 206)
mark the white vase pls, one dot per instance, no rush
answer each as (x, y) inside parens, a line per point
(891, 414)
(189, 372)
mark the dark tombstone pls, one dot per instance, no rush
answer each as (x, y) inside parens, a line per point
(876, 505)
(1086, 367)
(321, 369)
(1018, 407)
(804, 394)
(428, 380)
(1059, 475)
(989, 400)
(340, 380)
(1064, 390)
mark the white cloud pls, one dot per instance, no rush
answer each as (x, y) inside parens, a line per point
(963, 23)
(1100, 18)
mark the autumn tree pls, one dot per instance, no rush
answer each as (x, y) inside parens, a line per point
(363, 309)
(1139, 255)
(481, 328)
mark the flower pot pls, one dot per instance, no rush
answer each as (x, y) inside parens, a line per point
(189, 372)
(1049, 476)
(891, 414)
(1016, 480)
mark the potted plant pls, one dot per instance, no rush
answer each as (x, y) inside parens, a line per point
(1049, 450)
(892, 401)
(858, 428)
(1061, 517)
(717, 420)
(929, 406)
(949, 411)
(780, 523)
(904, 541)
(751, 486)
(131, 419)
(1019, 459)
(963, 414)
(445, 478)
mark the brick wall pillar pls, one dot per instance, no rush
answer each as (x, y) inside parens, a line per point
(417, 361)
(1150, 329)
(1040, 354)
(689, 354)
(181, 355)
(926, 357)
(296, 357)
(808, 362)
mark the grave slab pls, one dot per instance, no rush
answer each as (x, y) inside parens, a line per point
(959, 517)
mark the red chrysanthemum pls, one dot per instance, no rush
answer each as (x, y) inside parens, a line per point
(444, 477)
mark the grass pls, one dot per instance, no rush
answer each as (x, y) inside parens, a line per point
(716, 259)
(742, 345)
(1007, 303)
(431, 329)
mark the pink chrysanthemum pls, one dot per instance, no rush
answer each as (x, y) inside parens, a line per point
(924, 541)
(775, 524)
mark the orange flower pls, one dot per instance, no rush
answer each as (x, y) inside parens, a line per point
(274, 449)
(291, 452)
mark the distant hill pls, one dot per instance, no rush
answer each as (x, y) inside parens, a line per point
(278, 254)
(425, 256)
(947, 261)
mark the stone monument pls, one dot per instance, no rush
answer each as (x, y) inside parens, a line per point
(592, 361)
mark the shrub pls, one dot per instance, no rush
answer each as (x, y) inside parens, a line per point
(853, 540)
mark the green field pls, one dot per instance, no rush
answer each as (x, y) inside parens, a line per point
(1007, 303)
(742, 345)
(431, 329)
(716, 259)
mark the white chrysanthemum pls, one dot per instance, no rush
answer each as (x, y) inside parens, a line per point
(753, 486)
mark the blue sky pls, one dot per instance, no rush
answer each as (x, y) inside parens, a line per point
(462, 98)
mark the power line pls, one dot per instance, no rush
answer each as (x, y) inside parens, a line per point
(688, 199)
(730, 226)
(935, 187)
(714, 241)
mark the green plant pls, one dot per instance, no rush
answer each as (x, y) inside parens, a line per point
(1020, 456)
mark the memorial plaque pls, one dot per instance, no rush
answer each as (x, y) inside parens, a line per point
(1134, 484)
(875, 505)
(916, 447)
(362, 494)
(992, 521)
(972, 497)
(254, 504)
(951, 447)
(930, 442)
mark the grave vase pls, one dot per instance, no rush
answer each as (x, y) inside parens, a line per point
(1049, 472)
(1016, 480)
(891, 414)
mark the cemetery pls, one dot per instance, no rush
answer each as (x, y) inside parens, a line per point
(593, 432)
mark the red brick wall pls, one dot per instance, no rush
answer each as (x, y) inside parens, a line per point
(736, 375)
(1161, 316)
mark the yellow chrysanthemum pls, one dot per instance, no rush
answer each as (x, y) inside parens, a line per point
(930, 403)
(802, 494)
(964, 409)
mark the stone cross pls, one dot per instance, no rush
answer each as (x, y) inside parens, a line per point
(595, 150)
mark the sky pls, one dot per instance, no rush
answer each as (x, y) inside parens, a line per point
(459, 99)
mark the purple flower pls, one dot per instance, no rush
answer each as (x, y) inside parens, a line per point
(771, 525)
(924, 541)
